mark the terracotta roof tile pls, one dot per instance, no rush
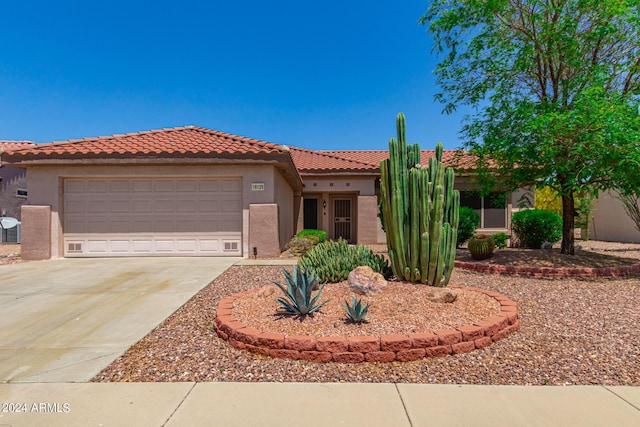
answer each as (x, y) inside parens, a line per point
(368, 160)
(6, 145)
(181, 140)
(310, 161)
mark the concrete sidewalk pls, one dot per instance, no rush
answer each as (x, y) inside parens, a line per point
(317, 404)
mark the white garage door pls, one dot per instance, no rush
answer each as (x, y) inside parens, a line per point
(152, 217)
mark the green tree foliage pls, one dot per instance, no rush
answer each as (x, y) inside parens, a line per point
(555, 86)
(548, 199)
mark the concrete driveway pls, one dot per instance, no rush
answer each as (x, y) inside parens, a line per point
(65, 320)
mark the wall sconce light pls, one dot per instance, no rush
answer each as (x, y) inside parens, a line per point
(324, 204)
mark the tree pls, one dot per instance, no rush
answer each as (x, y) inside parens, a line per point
(555, 86)
(631, 204)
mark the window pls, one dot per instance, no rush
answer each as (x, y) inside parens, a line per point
(492, 208)
(22, 193)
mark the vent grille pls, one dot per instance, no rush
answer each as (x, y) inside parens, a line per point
(74, 247)
(230, 246)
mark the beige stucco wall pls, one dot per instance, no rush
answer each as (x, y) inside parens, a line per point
(361, 186)
(46, 187)
(611, 223)
(284, 199)
(367, 219)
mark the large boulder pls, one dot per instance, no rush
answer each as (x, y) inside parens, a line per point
(364, 281)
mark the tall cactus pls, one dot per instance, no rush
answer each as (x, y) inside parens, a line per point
(419, 212)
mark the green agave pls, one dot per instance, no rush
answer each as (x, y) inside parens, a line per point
(356, 311)
(298, 292)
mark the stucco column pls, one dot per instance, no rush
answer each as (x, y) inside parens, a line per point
(263, 230)
(36, 232)
(367, 219)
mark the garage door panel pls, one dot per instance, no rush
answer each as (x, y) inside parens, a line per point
(142, 206)
(142, 226)
(120, 246)
(119, 227)
(209, 185)
(119, 186)
(97, 186)
(230, 224)
(146, 217)
(231, 186)
(142, 246)
(119, 206)
(187, 206)
(97, 246)
(92, 206)
(142, 186)
(187, 185)
(164, 185)
(209, 206)
(164, 205)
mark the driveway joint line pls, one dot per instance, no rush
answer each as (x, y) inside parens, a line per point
(180, 404)
(404, 406)
(621, 398)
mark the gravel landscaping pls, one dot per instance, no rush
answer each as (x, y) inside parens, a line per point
(572, 332)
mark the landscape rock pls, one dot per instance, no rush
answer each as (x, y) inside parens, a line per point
(267, 291)
(364, 281)
(442, 296)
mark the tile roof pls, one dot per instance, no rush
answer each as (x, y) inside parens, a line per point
(310, 161)
(368, 160)
(181, 142)
(197, 142)
(6, 145)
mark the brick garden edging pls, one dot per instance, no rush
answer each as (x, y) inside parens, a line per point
(626, 270)
(356, 349)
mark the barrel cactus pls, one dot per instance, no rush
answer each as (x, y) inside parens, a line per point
(481, 246)
(420, 212)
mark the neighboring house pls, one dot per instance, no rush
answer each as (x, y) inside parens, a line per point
(13, 181)
(610, 222)
(192, 191)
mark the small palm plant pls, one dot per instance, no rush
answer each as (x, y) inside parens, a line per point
(297, 292)
(356, 311)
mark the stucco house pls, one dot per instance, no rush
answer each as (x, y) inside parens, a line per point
(191, 191)
(610, 222)
(13, 181)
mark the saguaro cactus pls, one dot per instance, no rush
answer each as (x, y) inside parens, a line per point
(419, 212)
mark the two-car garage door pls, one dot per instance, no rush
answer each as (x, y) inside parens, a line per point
(152, 217)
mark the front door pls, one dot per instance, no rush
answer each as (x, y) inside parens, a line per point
(342, 218)
(311, 213)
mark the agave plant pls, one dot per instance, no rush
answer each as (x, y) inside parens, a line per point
(356, 311)
(297, 292)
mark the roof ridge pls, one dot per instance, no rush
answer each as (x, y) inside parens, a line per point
(204, 130)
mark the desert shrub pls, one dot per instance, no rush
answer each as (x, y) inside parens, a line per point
(469, 221)
(536, 226)
(299, 246)
(321, 235)
(332, 261)
(500, 239)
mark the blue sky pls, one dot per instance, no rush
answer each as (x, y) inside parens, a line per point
(320, 75)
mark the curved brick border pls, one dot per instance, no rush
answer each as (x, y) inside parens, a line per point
(385, 348)
(627, 270)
